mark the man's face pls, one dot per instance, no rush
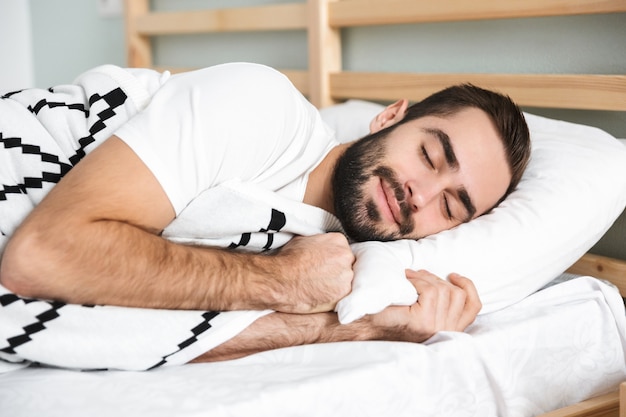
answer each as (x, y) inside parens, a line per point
(425, 176)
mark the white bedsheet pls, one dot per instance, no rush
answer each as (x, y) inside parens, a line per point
(557, 347)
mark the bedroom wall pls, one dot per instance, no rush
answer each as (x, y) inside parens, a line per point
(16, 48)
(69, 36)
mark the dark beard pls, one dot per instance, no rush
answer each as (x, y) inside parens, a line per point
(357, 213)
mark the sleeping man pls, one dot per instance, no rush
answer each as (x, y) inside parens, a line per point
(234, 156)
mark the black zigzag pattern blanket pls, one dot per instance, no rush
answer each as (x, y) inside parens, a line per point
(43, 134)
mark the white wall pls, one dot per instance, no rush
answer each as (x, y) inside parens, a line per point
(16, 50)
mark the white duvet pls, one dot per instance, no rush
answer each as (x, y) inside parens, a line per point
(555, 348)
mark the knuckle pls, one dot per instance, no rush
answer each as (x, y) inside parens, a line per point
(476, 306)
(429, 328)
(349, 276)
(350, 258)
(444, 289)
(458, 293)
(337, 238)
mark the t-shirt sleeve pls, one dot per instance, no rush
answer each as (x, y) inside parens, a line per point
(243, 121)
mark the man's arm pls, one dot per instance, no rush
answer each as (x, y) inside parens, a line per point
(441, 306)
(95, 239)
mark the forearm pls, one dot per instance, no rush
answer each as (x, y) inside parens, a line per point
(110, 262)
(279, 330)
(442, 305)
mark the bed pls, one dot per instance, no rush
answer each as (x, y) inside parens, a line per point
(558, 352)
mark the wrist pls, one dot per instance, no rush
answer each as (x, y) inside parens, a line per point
(359, 330)
(326, 328)
(389, 324)
(266, 276)
(229, 280)
(284, 289)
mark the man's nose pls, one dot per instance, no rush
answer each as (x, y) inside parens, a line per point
(421, 193)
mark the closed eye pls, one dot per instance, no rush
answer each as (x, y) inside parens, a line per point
(446, 207)
(427, 158)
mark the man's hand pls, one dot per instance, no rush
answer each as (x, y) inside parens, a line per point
(441, 306)
(316, 273)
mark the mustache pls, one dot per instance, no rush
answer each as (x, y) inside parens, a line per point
(387, 174)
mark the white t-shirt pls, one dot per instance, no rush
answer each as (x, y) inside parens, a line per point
(233, 121)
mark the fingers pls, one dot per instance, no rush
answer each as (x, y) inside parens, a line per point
(434, 299)
(445, 305)
(472, 305)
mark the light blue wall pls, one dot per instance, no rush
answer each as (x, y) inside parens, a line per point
(16, 50)
(69, 37)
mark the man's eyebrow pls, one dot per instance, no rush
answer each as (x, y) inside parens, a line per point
(448, 151)
(453, 163)
(467, 203)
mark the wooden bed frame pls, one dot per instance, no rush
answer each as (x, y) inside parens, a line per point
(325, 83)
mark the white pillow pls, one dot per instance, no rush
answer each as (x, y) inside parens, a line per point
(571, 193)
(351, 119)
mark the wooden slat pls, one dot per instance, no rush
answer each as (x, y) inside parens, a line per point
(372, 12)
(138, 47)
(173, 69)
(603, 406)
(261, 18)
(324, 52)
(300, 79)
(592, 92)
(598, 266)
(622, 400)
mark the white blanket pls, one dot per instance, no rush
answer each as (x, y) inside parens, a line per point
(555, 348)
(105, 337)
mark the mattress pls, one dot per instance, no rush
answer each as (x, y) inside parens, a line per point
(559, 346)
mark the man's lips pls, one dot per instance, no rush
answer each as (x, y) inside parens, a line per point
(390, 202)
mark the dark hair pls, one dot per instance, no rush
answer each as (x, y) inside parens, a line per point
(506, 116)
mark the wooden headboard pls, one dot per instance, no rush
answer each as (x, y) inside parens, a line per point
(325, 82)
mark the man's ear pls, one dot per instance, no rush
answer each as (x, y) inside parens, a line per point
(390, 116)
